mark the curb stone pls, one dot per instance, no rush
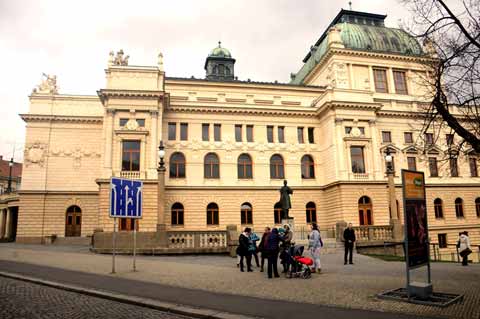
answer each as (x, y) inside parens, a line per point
(133, 300)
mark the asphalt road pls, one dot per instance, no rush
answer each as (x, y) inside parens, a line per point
(19, 299)
(198, 298)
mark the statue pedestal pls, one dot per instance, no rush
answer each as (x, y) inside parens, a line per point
(291, 223)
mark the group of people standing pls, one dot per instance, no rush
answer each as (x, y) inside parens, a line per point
(275, 242)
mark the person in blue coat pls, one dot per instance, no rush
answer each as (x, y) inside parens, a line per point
(271, 248)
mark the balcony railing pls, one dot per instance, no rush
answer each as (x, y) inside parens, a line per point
(373, 233)
(130, 174)
(360, 176)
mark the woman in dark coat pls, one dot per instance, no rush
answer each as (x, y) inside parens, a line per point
(271, 248)
(261, 247)
(242, 249)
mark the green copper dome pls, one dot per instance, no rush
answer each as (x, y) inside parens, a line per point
(220, 52)
(363, 32)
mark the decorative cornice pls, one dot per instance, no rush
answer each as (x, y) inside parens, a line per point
(243, 111)
(61, 118)
(105, 94)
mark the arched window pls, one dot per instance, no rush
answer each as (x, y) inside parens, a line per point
(365, 211)
(276, 167)
(438, 207)
(177, 165)
(477, 206)
(73, 221)
(211, 166)
(177, 214)
(212, 214)
(277, 213)
(311, 212)
(459, 208)
(246, 213)
(308, 167)
(244, 166)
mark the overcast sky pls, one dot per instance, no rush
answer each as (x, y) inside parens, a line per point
(71, 39)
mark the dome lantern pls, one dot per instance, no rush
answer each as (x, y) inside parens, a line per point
(219, 65)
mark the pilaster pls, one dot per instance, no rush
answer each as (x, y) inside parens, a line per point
(109, 123)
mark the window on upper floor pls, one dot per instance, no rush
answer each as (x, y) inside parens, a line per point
(380, 78)
(362, 130)
(277, 170)
(130, 155)
(429, 138)
(449, 139)
(433, 166)
(123, 122)
(183, 131)
(438, 208)
(348, 129)
(281, 134)
(246, 214)
(205, 132)
(308, 167)
(141, 122)
(400, 81)
(217, 132)
(459, 207)
(249, 133)
(270, 134)
(245, 167)
(300, 135)
(310, 133)
(177, 213)
(453, 167)
(172, 131)
(238, 133)
(211, 166)
(473, 167)
(177, 165)
(408, 137)
(358, 162)
(386, 137)
(412, 163)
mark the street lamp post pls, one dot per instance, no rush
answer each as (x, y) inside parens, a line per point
(9, 187)
(394, 221)
(161, 226)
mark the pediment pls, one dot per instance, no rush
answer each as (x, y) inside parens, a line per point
(393, 149)
(411, 150)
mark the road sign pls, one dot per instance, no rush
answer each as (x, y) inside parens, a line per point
(126, 198)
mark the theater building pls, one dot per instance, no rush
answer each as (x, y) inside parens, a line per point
(230, 143)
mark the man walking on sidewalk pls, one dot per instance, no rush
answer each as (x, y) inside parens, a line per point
(349, 237)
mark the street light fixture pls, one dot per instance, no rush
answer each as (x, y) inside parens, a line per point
(389, 161)
(9, 187)
(161, 156)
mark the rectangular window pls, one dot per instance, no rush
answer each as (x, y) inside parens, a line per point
(141, 122)
(130, 155)
(408, 137)
(123, 122)
(429, 138)
(205, 132)
(362, 130)
(172, 131)
(249, 133)
(412, 163)
(442, 240)
(183, 131)
(348, 129)
(449, 139)
(358, 163)
(453, 167)
(380, 78)
(473, 167)
(270, 134)
(300, 135)
(432, 164)
(238, 133)
(311, 138)
(400, 81)
(281, 134)
(386, 137)
(217, 132)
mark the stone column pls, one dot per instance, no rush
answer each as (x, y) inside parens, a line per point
(2, 223)
(8, 229)
(397, 231)
(376, 160)
(109, 125)
(340, 148)
(162, 237)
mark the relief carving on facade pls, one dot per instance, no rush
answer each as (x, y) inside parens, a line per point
(76, 153)
(48, 85)
(35, 153)
(337, 75)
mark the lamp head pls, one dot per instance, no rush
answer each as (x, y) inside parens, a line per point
(11, 162)
(161, 151)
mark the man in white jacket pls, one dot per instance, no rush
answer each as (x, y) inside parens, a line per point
(464, 247)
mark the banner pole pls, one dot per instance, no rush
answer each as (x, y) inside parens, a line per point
(114, 243)
(134, 244)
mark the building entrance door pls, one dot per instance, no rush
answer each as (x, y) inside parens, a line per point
(73, 222)
(365, 212)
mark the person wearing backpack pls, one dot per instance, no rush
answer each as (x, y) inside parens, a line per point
(464, 247)
(314, 244)
(252, 248)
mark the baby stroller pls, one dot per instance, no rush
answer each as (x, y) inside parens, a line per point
(298, 264)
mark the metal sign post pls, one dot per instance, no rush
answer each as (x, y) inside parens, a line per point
(134, 244)
(114, 244)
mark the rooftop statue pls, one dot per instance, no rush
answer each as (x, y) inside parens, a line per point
(118, 59)
(48, 85)
(160, 61)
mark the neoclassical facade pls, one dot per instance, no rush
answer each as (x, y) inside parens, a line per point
(230, 144)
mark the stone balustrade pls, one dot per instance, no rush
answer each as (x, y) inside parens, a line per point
(373, 233)
(130, 174)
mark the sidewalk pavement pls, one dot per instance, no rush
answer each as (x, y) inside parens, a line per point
(351, 286)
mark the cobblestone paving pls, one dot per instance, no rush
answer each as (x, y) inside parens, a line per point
(351, 286)
(20, 299)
